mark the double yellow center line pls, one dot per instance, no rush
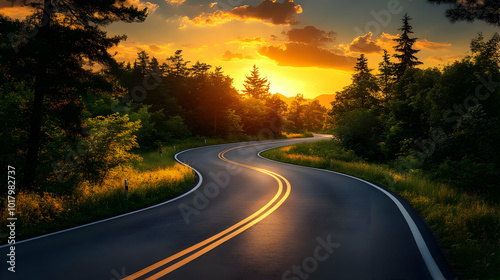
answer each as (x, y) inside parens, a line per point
(173, 262)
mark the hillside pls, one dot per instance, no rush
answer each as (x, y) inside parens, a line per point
(324, 99)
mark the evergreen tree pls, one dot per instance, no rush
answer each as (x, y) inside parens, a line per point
(68, 36)
(142, 62)
(177, 73)
(296, 113)
(385, 76)
(314, 116)
(154, 67)
(176, 66)
(200, 69)
(406, 56)
(255, 86)
(361, 70)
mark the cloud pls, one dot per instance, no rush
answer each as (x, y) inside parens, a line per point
(127, 51)
(306, 55)
(435, 58)
(269, 11)
(310, 35)
(175, 2)
(247, 41)
(426, 44)
(364, 44)
(155, 48)
(386, 41)
(447, 58)
(15, 12)
(141, 5)
(228, 56)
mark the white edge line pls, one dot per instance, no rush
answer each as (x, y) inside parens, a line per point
(200, 181)
(431, 264)
(125, 214)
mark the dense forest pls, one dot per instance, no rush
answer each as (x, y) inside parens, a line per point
(70, 112)
(75, 122)
(442, 121)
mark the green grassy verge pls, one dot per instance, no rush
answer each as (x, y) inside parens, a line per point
(44, 212)
(467, 225)
(152, 180)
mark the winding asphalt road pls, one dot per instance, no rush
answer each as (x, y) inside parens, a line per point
(247, 218)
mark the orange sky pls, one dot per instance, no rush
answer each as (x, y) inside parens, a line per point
(306, 47)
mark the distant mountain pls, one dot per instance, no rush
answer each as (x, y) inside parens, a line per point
(324, 99)
(288, 100)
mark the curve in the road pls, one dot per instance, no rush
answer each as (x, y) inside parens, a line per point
(431, 264)
(205, 246)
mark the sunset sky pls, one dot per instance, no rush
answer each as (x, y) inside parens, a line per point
(306, 47)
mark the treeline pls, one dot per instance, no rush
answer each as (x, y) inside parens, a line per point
(63, 122)
(175, 100)
(443, 121)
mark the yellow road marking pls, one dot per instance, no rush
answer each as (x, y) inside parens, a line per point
(225, 235)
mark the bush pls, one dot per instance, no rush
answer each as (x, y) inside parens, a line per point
(470, 174)
(360, 130)
(108, 144)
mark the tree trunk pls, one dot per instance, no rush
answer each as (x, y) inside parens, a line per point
(40, 91)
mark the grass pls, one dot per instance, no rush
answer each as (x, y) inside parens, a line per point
(152, 180)
(298, 135)
(467, 225)
(40, 213)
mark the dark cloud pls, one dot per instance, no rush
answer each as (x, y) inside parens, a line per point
(277, 13)
(364, 44)
(305, 55)
(6, 4)
(310, 35)
(268, 10)
(228, 55)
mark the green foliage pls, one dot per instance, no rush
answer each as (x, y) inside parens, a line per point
(255, 86)
(360, 130)
(487, 11)
(14, 111)
(109, 143)
(470, 174)
(304, 116)
(446, 120)
(468, 226)
(386, 77)
(405, 51)
(255, 115)
(68, 38)
(361, 93)
(296, 112)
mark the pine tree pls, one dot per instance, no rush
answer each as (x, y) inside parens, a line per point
(406, 56)
(359, 94)
(68, 36)
(386, 75)
(255, 86)
(177, 67)
(361, 70)
(364, 83)
(142, 62)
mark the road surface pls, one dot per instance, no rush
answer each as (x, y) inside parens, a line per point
(247, 218)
